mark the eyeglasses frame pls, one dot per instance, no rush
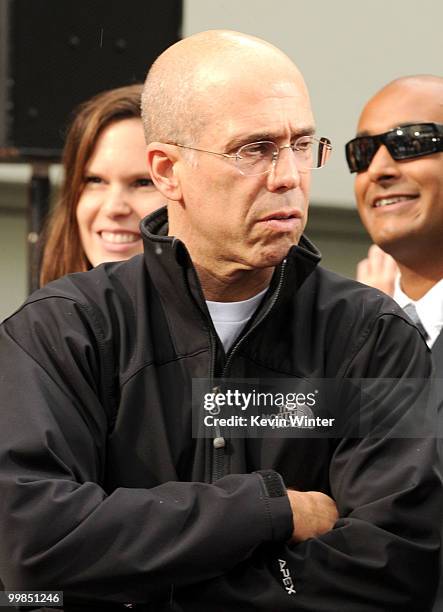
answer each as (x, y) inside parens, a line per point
(322, 140)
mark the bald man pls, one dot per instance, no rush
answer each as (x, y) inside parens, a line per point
(398, 160)
(137, 466)
(400, 199)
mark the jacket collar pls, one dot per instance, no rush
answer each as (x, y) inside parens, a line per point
(169, 264)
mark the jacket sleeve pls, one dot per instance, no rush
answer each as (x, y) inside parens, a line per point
(58, 527)
(383, 551)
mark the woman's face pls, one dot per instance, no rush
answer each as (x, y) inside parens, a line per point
(117, 193)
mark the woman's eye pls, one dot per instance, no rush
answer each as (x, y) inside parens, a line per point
(144, 182)
(92, 179)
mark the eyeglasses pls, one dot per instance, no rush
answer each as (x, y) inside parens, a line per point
(260, 157)
(405, 142)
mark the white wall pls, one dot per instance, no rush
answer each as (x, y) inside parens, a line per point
(13, 262)
(14, 179)
(347, 49)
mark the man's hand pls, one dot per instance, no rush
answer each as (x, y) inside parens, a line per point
(378, 270)
(314, 513)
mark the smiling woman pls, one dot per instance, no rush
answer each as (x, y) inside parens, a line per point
(107, 189)
(117, 193)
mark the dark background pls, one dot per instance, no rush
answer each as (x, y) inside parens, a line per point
(57, 53)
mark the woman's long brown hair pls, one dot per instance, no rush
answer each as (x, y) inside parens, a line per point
(63, 252)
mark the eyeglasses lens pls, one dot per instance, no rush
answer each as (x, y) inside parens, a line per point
(359, 153)
(258, 157)
(405, 142)
(412, 141)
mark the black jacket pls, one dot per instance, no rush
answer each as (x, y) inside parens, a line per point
(105, 494)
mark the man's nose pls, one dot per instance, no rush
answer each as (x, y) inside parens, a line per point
(383, 166)
(284, 172)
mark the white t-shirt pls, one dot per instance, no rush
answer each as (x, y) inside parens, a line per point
(229, 318)
(429, 308)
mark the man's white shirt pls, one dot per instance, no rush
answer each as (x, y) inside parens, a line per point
(230, 318)
(429, 308)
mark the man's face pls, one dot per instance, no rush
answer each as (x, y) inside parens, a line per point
(401, 202)
(239, 222)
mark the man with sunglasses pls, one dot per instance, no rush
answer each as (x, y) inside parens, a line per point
(398, 160)
(107, 492)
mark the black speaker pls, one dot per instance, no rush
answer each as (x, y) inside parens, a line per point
(57, 53)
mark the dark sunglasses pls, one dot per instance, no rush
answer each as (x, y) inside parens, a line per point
(404, 142)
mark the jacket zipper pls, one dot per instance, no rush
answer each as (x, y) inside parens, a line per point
(264, 315)
(219, 442)
(215, 454)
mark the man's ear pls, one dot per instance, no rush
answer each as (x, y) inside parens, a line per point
(162, 160)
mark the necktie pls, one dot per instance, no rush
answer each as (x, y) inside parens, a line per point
(411, 311)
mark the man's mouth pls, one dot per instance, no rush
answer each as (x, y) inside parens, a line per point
(119, 237)
(283, 215)
(381, 202)
(283, 221)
